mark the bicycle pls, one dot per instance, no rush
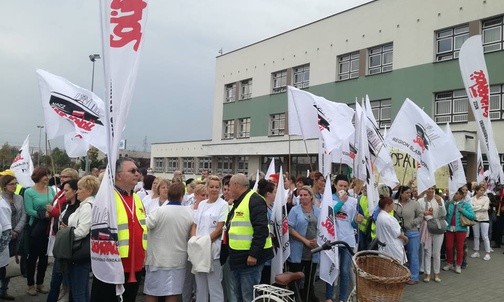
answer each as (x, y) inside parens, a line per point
(373, 269)
(272, 293)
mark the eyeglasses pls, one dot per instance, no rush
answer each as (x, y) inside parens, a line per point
(133, 171)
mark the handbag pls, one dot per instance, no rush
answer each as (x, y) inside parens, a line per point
(436, 226)
(63, 244)
(81, 249)
(464, 221)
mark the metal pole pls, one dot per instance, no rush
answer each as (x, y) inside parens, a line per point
(93, 58)
(39, 145)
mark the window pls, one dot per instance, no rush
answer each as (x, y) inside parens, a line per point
(158, 164)
(348, 66)
(380, 59)
(230, 93)
(449, 41)
(496, 109)
(279, 81)
(229, 129)
(493, 34)
(172, 164)
(188, 165)
(224, 165)
(302, 76)
(382, 111)
(451, 107)
(242, 165)
(244, 127)
(277, 124)
(204, 163)
(246, 89)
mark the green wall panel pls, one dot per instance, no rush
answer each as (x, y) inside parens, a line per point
(417, 83)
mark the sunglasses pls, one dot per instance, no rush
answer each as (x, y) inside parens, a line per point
(133, 171)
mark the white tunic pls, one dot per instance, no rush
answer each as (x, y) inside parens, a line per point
(5, 224)
(388, 231)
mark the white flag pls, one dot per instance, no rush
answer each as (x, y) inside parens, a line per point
(75, 145)
(271, 168)
(325, 159)
(480, 172)
(329, 261)
(311, 115)
(476, 82)
(256, 181)
(346, 153)
(280, 229)
(123, 28)
(70, 109)
(380, 155)
(457, 175)
(22, 166)
(415, 133)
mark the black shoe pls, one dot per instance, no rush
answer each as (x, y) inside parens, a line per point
(7, 297)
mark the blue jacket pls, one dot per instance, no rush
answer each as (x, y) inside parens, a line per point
(299, 223)
(466, 210)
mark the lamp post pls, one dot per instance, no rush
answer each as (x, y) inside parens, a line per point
(40, 127)
(93, 59)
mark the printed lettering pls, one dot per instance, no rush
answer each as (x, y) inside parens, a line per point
(126, 14)
(480, 89)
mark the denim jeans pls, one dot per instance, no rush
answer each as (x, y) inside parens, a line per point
(345, 260)
(245, 279)
(412, 250)
(78, 277)
(57, 278)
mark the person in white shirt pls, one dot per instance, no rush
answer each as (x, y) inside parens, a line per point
(389, 231)
(209, 220)
(480, 204)
(162, 199)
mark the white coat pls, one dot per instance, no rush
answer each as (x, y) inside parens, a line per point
(388, 231)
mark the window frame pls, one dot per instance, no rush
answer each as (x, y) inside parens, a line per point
(451, 98)
(348, 58)
(188, 165)
(243, 122)
(498, 24)
(378, 107)
(230, 93)
(172, 164)
(302, 71)
(274, 119)
(246, 89)
(382, 52)
(279, 81)
(204, 163)
(228, 129)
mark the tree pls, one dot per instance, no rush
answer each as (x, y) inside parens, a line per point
(7, 155)
(61, 159)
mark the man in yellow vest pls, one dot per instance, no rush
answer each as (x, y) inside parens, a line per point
(131, 233)
(248, 237)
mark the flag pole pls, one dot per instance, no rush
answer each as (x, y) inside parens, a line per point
(290, 172)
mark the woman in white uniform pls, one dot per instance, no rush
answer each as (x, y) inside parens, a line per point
(389, 231)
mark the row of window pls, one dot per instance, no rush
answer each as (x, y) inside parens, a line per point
(224, 164)
(276, 127)
(379, 59)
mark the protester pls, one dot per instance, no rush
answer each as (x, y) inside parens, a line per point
(80, 220)
(165, 264)
(248, 236)
(303, 220)
(69, 206)
(209, 220)
(131, 234)
(345, 214)
(153, 197)
(480, 205)
(8, 184)
(456, 232)
(318, 188)
(162, 196)
(389, 231)
(267, 189)
(36, 199)
(434, 208)
(5, 231)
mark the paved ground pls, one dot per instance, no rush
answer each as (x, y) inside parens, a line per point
(481, 281)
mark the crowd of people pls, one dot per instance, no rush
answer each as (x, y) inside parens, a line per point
(212, 239)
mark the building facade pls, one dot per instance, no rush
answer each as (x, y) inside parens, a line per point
(388, 49)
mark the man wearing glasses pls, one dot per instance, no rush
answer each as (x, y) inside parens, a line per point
(132, 234)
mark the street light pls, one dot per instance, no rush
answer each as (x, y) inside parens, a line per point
(93, 59)
(40, 127)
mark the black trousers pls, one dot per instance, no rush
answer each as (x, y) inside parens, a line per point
(37, 250)
(101, 291)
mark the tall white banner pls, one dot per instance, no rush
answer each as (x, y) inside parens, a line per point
(70, 109)
(22, 165)
(415, 133)
(123, 26)
(457, 175)
(326, 231)
(280, 228)
(480, 172)
(477, 84)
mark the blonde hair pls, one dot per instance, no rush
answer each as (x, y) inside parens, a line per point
(162, 181)
(72, 173)
(200, 189)
(214, 178)
(308, 189)
(89, 182)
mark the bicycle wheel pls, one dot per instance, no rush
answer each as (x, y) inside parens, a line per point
(267, 298)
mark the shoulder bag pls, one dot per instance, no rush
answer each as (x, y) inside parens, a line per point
(464, 221)
(63, 244)
(435, 225)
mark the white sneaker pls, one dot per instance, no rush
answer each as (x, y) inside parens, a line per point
(458, 269)
(447, 267)
(475, 255)
(487, 257)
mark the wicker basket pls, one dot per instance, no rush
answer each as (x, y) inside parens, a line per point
(379, 277)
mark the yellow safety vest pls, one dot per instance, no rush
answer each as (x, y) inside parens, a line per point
(123, 233)
(363, 203)
(241, 231)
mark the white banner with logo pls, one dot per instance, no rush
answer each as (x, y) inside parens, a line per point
(123, 27)
(22, 165)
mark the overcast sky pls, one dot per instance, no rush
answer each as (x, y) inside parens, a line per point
(175, 86)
